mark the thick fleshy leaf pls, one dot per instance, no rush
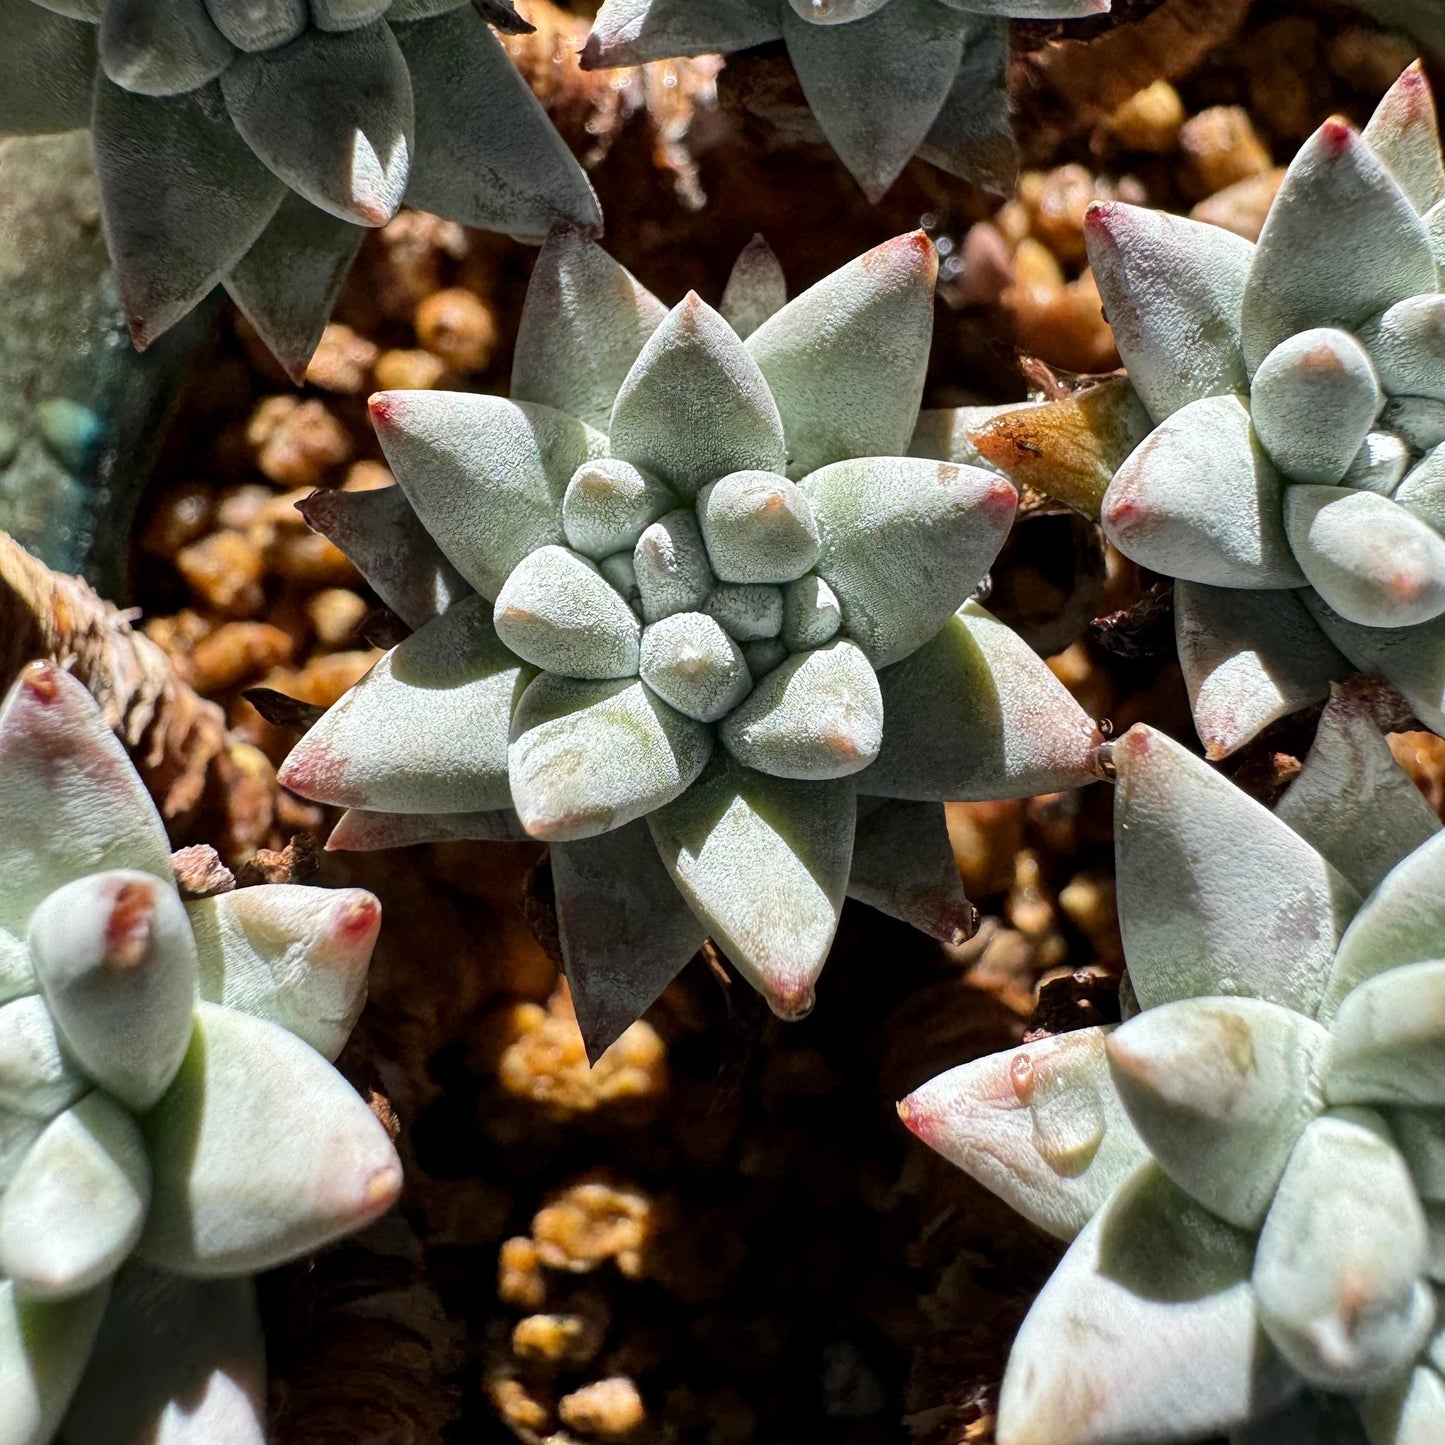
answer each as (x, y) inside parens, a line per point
(1389, 1039)
(758, 527)
(694, 406)
(904, 541)
(1410, 1412)
(845, 361)
(1381, 461)
(18, 1132)
(485, 476)
(1352, 802)
(670, 567)
(486, 154)
(583, 324)
(1040, 1125)
(36, 1077)
(876, 85)
(1164, 1339)
(1220, 1089)
(75, 1207)
(1407, 345)
(43, 1349)
(558, 612)
(818, 715)
(756, 288)
(1404, 133)
(1172, 289)
(763, 862)
(835, 12)
(360, 831)
(258, 24)
(115, 956)
(624, 928)
(903, 865)
(748, 611)
(261, 1152)
(972, 134)
(1341, 244)
(587, 757)
(1033, 9)
(161, 47)
(171, 244)
(1338, 1271)
(1308, 1419)
(1216, 894)
(631, 32)
(812, 613)
(1200, 499)
(383, 536)
(1420, 420)
(946, 433)
(425, 731)
(287, 283)
(1420, 1136)
(1249, 658)
(16, 975)
(297, 956)
(693, 665)
(764, 655)
(349, 14)
(177, 1362)
(1435, 230)
(1423, 491)
(607, 505)
(976, 714)
(47, 71)
(331, 115)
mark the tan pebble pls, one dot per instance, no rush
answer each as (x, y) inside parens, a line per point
(240, 508)
(280, 513)
(225, 570)
(324, 679)
(1063, 325)
(521, 1408)
(1369, 60)
(414, 248)
(1242, 207)
(608, 1409)
(1058, 205)
(457, 326)
(236, 652)
(559, 1339)
(1220, 147)
(342, 361)
(1149, 120)
(1035, 265)
(1012, 220)
(592, 1222)
(311, 558)
(304, 446)
(367, 477)
(408, 370)
(988, 268)
(269, 413)
(985, 837)
(336, 613)
(181, 516)
(177, 636)
(521, 1280)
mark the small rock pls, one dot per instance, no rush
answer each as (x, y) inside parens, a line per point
(342, 361)
(457, 326)
(408, 370)
(237, 651)
(335, 615)
(1149, 120)
(224, 571)
(608, 1409)
(1220, 148)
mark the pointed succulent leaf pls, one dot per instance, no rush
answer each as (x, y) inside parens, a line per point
(845, 361)
(587, 757)
(425, 731)
(1172, 289)
(1410, 1411)
(485, 476)
(608, 504)
(1372, 561)
(1164, 1338)
(755, 290)
(876, 85)
(261, 1152)
(904, 541)
(620, 570)
(36, 1077)
(758, 527)
(1383, 458)
(624, 928)
(694, 406)
(1200, 499)
(631, 32)
(47, 71)
(75, 1207)
(297, 956)
(18, 1133)
(348, 14)
(1389, 1039)
(44, 1345)
(360, 831)
(161, 47)
(177, 1362)
(1221, 1089)
(1041, 1125)
(584, 322)
(115, 956)
(976, 714)
(747, 611)
(1420, 1136)
(16, 974)
(171, 244)
(1404, 133)
(1341, 244)
(792, 842)
(1033, 9)
(1435, 231)
(1422, 493)
(835, 12)
(693, 665)
(1386, 816)
(1419, 420)
(1407, 346)
(903, 865)
(671, 568)
(1340, 1255)
(812, 613)
(384, 538)
(288, 282)
(558, 612)
(1216, 894)
(972, 134)
(486, 153)
(818, 715)
(764, 655)
(259, 24)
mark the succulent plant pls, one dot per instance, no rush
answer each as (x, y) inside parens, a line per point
(252, 142)
(1250, 1166)
(886, 79)
(169, 1120)
(687, 612)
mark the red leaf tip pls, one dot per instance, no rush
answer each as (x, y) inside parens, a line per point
(1336, 135)
(792, 1001)
(357, 923)
(41, 680)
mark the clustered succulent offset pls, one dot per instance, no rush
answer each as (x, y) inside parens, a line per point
(886, 79)
(699, 617)
(169, 1120)
(1251, 1167)
(251, 142)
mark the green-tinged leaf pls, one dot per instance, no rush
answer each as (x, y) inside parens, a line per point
(116, 959)
(835, 12)
(747, 611)
(161, 47)
(972, 134)
(1389, 1039)
(670, 567)
(758, 527)
(348, 14)
(1308, 1419)
(36, 1078)
(630, 32)
(485, 476)
(1200, 499)
(812, 613)
(756, 288)
(425, 731)
(43, 1349)
(1409, 1412)
(587, 757)
(903, 865)
(1341, 244)
(259, 24)
(297, 956)
(763, 862)
(1338, 1270)
(47, 71)
(261, 1152)
(18, 1132)
(1220, 1089)
(624, 928)
(1419, 420)
(608, 504)
(1383, 458)
(362, 832)
(1420, 1136)
(1172, 289)
(1407, 345)
(1216, 894)
(1404, 133)
(694, 666)
(694, 406)
(975, 714)
(1422, 492)
(74, 1209)
(1041, 1125)
(16, 975)
(845, 361)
